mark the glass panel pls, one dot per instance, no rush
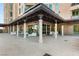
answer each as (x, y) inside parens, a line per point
(57, 7)
(11, 6)
(27, 7)
(50, 6)
(19, 10)
(48, 29)
(44, 28)
(11, 14)
(75, 12)
(76, 28)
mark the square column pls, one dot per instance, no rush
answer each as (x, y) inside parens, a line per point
(40, 31)
(13, 28)
(56, 32)
(8, 29)
(17, 30)
(24, 28)
(62, 30)
(40, 28)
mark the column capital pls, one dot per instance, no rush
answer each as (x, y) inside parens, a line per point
(62, 23)
(17, 23)
(55, 21)
(24, 21)
(40, 16)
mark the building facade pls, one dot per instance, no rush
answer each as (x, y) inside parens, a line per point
(32, 19)
(70, 11)
(14, 10)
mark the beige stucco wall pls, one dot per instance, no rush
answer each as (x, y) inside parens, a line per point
(68, 29)
(65, 11)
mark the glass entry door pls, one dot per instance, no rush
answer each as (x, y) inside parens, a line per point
(46, 29)
(76, 29)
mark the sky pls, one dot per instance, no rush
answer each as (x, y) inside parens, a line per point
(1, 13)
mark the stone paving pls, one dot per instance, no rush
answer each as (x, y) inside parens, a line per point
(10, 45)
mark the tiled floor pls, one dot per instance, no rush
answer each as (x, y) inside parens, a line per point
(18, 46)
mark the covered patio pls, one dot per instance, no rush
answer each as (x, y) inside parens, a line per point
(2, 26)
(45, 21)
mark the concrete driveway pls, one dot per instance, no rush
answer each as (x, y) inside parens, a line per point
(17, 46)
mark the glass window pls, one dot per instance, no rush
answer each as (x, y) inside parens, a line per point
(11, 14)
(50, 6)
(44, 28)
(57, 7)
(75, 12)
(72, 13)
(78, 13)
(19, 10)
(27, 7)
(19, 4)
(76, 28)
(11, 6)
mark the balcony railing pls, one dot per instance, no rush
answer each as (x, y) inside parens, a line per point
(75, 17)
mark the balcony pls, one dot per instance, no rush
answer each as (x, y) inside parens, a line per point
(10, 20)
(73, 4)
(75, 17)
(74, 7)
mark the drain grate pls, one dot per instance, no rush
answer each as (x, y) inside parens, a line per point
(46, 54)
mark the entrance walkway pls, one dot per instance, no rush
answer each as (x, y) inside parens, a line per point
(12, 45)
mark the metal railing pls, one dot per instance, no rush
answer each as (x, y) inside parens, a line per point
(75, 17)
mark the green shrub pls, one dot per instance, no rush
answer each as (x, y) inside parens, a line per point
(30, 30)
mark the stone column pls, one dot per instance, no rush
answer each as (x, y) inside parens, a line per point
(56, 29)
(8, 29)
(40, 28)
(24, 28)
(62, 30)
(17, 30)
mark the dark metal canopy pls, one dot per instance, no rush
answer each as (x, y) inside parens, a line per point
(72, 21)
(3, 25)
(32, 15)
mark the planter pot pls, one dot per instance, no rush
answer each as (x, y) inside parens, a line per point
(33, 34)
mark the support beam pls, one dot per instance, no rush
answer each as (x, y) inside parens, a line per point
(24, 28)
(17, 30)
(40, 28)
(50, 29)
(46, 29)
(62, 30)
(56, 30)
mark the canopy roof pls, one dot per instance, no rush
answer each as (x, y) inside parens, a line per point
(32, 15)
(34, 11)
(3, 25)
